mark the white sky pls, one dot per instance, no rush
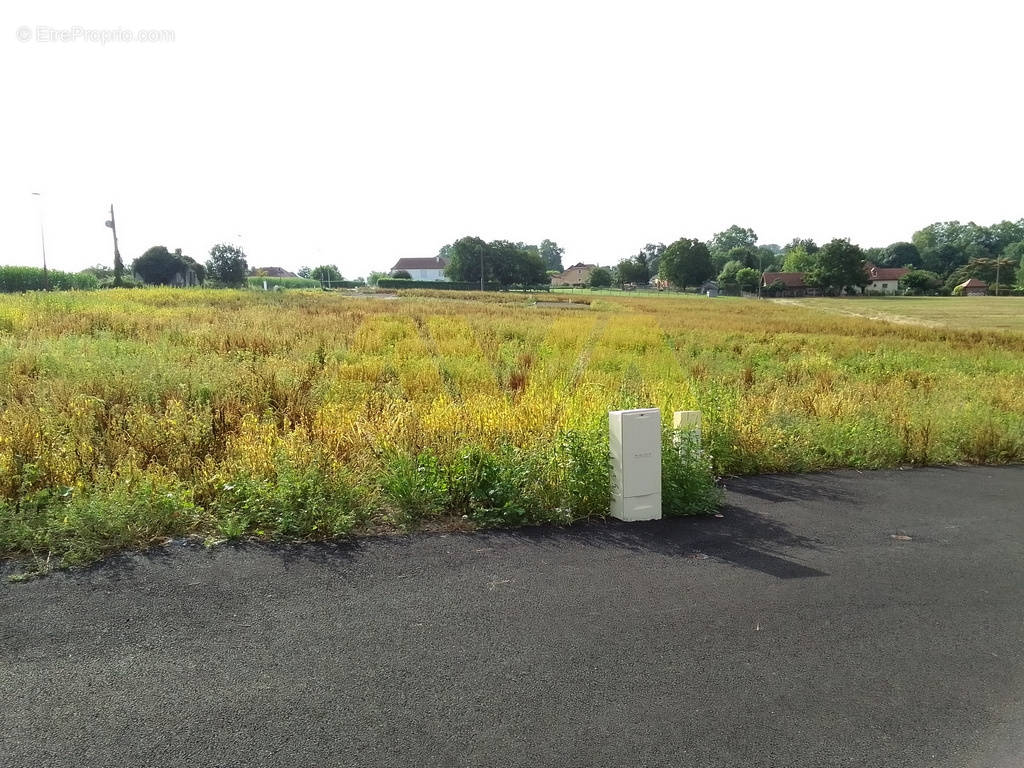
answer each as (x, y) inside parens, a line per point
(358, 133)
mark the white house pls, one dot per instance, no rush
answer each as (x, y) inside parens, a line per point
(884, 279)
(431, 268)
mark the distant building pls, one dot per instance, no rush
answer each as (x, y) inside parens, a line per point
(792, 284)
(883, 279)
(431, 268)
(709, 289)
(576, 275)
(972, 287)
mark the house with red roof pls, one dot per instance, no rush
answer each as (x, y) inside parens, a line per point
(786, 284)
(972, 287)
(884, 280)
(431, 268)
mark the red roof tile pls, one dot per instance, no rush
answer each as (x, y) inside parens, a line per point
(885, 273)
(790, 279)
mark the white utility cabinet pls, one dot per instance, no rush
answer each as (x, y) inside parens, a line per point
(635, 442)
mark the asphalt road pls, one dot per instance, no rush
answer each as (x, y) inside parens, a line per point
(843, 619)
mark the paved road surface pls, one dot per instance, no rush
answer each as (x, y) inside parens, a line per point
(801, 629)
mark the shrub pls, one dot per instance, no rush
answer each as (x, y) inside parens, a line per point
(283, 282)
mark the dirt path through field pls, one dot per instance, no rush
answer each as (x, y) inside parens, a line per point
(887, 317)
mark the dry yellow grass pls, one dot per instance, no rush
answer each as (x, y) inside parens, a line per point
(129, 415)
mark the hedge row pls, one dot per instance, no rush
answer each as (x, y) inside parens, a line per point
(18, 279)
(284, 282)
(442, 285)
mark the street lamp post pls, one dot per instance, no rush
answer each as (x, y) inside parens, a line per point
(42, 241)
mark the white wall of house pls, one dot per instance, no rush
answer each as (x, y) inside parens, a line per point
(426, 274)
(888, 287)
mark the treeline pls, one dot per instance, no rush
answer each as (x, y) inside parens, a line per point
(941, 256)
(503, 263)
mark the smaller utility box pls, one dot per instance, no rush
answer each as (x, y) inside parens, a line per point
(635, 446)
(686, 426)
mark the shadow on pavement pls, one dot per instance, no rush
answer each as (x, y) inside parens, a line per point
(780, 488)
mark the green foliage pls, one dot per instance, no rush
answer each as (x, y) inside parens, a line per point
(326, 272)
(503, 262)
(296, 501)
(727, 277)
(20, 279)
(901, 255)
(800, 258)
(158, 266)
(748, 279)
(837, 265)
(686, 262)
(734, 237)
(804, 243)
(688, 484)
(568, 480)
(283, 282)
(79, 525)
(633, 270)
(100, 271)
(227, 265)
(984, 269)
(440, 285)
(551, 255)
(920, 282)
(600, 277)
(400, 274)
(374, 276)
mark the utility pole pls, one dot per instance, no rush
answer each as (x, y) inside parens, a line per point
(481, 252)
(42, 242)
(760, 269)
(118, 264)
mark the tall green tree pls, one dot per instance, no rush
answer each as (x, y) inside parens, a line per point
(733, 237)
(839, 264)
(901, 254)
(805, 243)
(551, 254)
(601, 277)
(503, 262)
(632, 270)
(465, 257)
(227, 264)
(158, 266)
(326, 272)
(799, 259)
(650, 254)
(686, 262)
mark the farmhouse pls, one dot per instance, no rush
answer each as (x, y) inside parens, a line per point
(792, 284)
(577, 274)
(972, 287)
(431, 268)
(883, 279)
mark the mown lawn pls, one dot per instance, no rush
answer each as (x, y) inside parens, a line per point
(988, 312)
(131, 416)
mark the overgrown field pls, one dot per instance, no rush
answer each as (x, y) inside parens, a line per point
(129, 416)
